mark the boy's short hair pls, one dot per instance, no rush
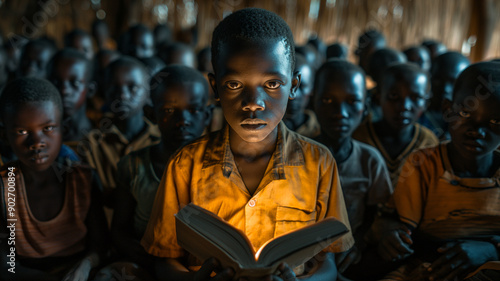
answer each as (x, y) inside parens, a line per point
(252, 25)
(447, 59)
(176, 74)
(483, 76)
(125, 61)
(28, 90)
(70, 37)
(368, 38)
(337, 65)
(398, 71)
(74, 54)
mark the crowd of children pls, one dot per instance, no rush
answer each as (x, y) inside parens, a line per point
(105, 145)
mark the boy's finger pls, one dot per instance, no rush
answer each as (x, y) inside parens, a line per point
(405, 237)
(286, 272)
(442, 261)
(207, 268)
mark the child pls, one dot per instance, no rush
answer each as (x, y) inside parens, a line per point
(34, 58)
(60, 229)
(447, 196)
(368, 42)
(404, 90)
(337, 51)
(297, 117)
(179, 95)
(259, 176)
(444, 71)
(138, 42)
(80, 40)
(100, 33)
(419, 55)
(124, 128)
(69, 70)
(435, 48)
(178, 53)
(340, 102)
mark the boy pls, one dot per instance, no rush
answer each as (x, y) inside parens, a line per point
(368, 42)
(80, 40)
(138, 42)
(404, 90)
(124, 128)
(340, 103)
(59, 223)
(179, 96)
(297, 117)
(444, 71)
(178, 53)
(70, 71)
(34, 58)
(448, 196)
(419, 55)
(435, 48)
(259, 176)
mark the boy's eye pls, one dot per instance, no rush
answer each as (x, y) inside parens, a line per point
(168, 110)
(195, 110)
(273, 84)
(233, 85)
(326, 101)
(133, 88)
(464, 114)
(48, 128)
(22, 132)
(76, 83)
(495, 121)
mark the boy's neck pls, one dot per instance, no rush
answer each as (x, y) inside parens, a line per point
(479, 167)
(294, 122)
(403, 135)
(252, 150)
(130, 127)
(39, 177)
(340, 148)
(77, 125)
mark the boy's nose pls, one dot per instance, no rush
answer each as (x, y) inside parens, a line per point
(253, 100)
(36, 141)
(407, 104)
(183, 118)
(339, 110)
(124, 93)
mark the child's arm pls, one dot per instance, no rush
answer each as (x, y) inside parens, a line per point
(461, 257)
(122, 231)
(97, 237)
(174, 270)
(393, 238)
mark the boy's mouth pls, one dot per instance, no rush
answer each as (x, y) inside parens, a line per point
(39, 158)
(253, 124)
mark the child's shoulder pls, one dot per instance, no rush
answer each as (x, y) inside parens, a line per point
(364, 151)
(196, 149)
(426, 137)
(310, 148)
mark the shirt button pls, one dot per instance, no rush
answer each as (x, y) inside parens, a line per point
(251, 203)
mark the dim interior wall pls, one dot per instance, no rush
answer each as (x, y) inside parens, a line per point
(404, 22)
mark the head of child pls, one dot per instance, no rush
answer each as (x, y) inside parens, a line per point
(69, 70)
(419, 55)
(31, 111)
(178, 53)
(435, 48)
(253, 59)
(381, 59)
(404, 91)
(340, 99)
(472, 113)
(296, 106)
(100, 32)
(337, 51)
(368, 42)
(34, 58)
(141, 42)
(179, 95)
(127, 87)
(444, 71)
(80, 40)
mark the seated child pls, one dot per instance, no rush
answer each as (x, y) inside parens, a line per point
(297, 117)
(256, 174)
(138, 42)
(337, 51)
(435, 48)
(35, 57)
(444, 71)
(368, 42)
(448, 196)
(178, 53)
(340, 103)
(404, 90)
(124, 128)
(419, 55)
(80, 40)
(70, 71)
(179, 95)
(60, 229)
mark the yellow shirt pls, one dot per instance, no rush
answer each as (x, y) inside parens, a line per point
(300, 187)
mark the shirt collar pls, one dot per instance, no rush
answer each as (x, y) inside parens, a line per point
(288, 152)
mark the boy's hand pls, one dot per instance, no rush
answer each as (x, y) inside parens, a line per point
(395, 245)
(212, 265)
(345, 259)
(80, 272)
(285, 274)
(459, 258)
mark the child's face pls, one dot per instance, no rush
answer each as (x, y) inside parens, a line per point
(126, 92)
(299, 103)
(421, 57)
(254, 82)
(404, 100)
(181, 113)
(34, 133)
(143, 45)
(474, 131)
(84, 44)
(34, 62)
(68, 75)
(340, 103)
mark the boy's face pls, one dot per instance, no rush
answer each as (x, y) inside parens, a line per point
(34, 133)
(68, 75)
(299, 103)
(254, 81)
(34, 62)
(84, 44)
(340, 103)
(475, 130)
(421, 57)
(181, 113)
(404, 100)
(126, 91)
(143, 45)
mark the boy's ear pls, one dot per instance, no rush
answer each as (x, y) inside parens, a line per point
(213, 84)
(296, 76)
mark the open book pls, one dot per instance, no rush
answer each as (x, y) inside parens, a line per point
(206, 235)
